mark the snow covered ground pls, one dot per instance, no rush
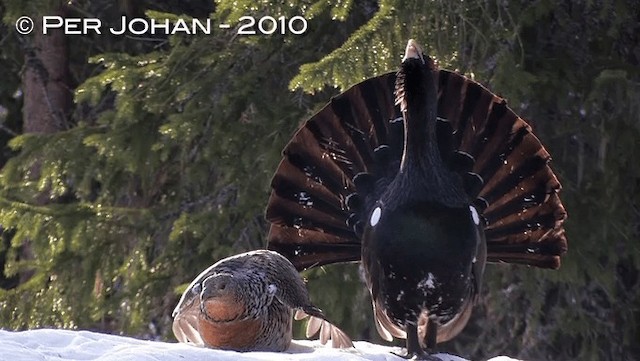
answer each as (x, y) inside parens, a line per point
(58, 345)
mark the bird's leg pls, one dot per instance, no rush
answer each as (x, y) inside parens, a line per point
(414, 351)
(413, 346)
(431, 336)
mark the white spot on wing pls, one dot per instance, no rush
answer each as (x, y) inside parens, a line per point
(474, 215)
(375, 216)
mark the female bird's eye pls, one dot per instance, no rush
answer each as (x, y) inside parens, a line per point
(196, 288)
(271, 289)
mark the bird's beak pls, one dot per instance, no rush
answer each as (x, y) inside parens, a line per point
(413, 50)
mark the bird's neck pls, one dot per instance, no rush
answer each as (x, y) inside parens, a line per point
(420, 143)
(423, 176)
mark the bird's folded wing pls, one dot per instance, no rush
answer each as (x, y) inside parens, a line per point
(185, 325)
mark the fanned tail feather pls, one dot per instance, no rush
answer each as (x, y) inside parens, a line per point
(353, 144)
(307, 208)
(523, 212)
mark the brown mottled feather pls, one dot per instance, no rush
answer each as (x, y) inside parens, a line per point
(245, 303)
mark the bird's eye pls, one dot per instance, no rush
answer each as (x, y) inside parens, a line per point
(271, 289)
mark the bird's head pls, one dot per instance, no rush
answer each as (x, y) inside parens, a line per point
(415, 75)
(218, 285)
(413, 51)
(219, 298)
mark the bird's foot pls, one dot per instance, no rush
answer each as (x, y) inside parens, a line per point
(420, 355)
(414, 351)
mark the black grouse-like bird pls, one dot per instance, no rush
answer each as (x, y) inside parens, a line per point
(424, 176)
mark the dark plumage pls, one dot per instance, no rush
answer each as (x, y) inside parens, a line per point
(245, 303)
(424, 175)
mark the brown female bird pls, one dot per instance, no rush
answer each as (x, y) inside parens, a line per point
(423, 175)
(245, 303)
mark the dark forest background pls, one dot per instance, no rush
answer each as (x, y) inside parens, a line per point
(130, 163)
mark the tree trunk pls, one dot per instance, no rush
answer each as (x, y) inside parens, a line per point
(47, 97)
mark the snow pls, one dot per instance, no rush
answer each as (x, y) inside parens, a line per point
(58, 345)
